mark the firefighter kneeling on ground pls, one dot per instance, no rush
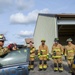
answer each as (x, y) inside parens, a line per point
(57, 51)
(32, 55)
(70, 52)
(43, 54)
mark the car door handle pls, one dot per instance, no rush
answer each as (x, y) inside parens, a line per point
(20, 67)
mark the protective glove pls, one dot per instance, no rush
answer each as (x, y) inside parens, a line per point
(47, 56)
(62, 53)
(10, 46)
(38, 55)
(30, 51)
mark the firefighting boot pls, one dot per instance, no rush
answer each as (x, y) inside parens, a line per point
(45, 65)
(60, 67)
(32, 65)
(29, 67)
(70, 71)
(55, 67)
(40, 65)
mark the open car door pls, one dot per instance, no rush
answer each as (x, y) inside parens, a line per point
(15, 62)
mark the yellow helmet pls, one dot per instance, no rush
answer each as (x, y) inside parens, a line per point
(43, 40)
(2, 38)
(69, 40)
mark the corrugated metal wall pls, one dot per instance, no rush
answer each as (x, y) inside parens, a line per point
(45, 28)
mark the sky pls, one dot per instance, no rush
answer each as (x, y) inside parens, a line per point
(18, 17)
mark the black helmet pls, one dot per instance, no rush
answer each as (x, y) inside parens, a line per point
(56, 40)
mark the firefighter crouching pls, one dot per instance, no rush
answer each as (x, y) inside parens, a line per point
(70, 52)
(32, 56)
(43, 54)
(3, 50)
(57, 51)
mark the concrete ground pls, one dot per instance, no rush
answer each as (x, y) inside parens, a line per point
(49, 70)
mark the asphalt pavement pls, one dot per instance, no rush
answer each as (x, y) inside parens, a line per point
(49, 70)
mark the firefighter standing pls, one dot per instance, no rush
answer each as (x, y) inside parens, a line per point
(70, 52)
(3, 50)
(32, 56)
(42, 54)
(57, 51)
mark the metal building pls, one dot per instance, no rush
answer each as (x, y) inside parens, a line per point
(50, 26)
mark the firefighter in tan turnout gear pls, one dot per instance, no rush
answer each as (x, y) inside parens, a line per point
(32, 55)
(43, 54)
(57, 51)
(70, 52)
(3, 50)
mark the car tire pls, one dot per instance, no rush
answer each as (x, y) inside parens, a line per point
(72, 73)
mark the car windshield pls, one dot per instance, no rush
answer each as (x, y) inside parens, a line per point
(15, 57)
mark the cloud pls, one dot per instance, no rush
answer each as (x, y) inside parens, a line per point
(24, 4)
(17, 41)
(20, 18)
(8, 42)
(15, 4)
(25, 34)
(3, 32)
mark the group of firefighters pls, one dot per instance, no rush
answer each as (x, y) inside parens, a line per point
(57, 53)
(43, 53)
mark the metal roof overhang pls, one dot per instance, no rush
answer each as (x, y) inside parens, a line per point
(65, 22)
(62, 15)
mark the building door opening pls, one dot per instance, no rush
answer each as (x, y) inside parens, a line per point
(65, 32)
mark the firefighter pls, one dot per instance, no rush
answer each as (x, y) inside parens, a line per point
(70, 52)
(3, 50)
(57, 51)
(32, 55)
(43, 54)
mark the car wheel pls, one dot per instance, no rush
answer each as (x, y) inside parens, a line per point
(72, 73)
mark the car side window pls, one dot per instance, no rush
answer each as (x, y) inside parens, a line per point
(15, 57)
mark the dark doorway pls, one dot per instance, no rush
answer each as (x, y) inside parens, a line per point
(65, 32)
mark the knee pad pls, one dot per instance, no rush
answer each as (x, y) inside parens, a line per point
(32, 62)
(45, 62)
(60, 64)
(55, 64)
(40, 62)
(69, 65)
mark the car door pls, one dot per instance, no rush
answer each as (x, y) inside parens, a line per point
(15, 62)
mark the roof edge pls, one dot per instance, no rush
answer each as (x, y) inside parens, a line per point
(64, 15)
